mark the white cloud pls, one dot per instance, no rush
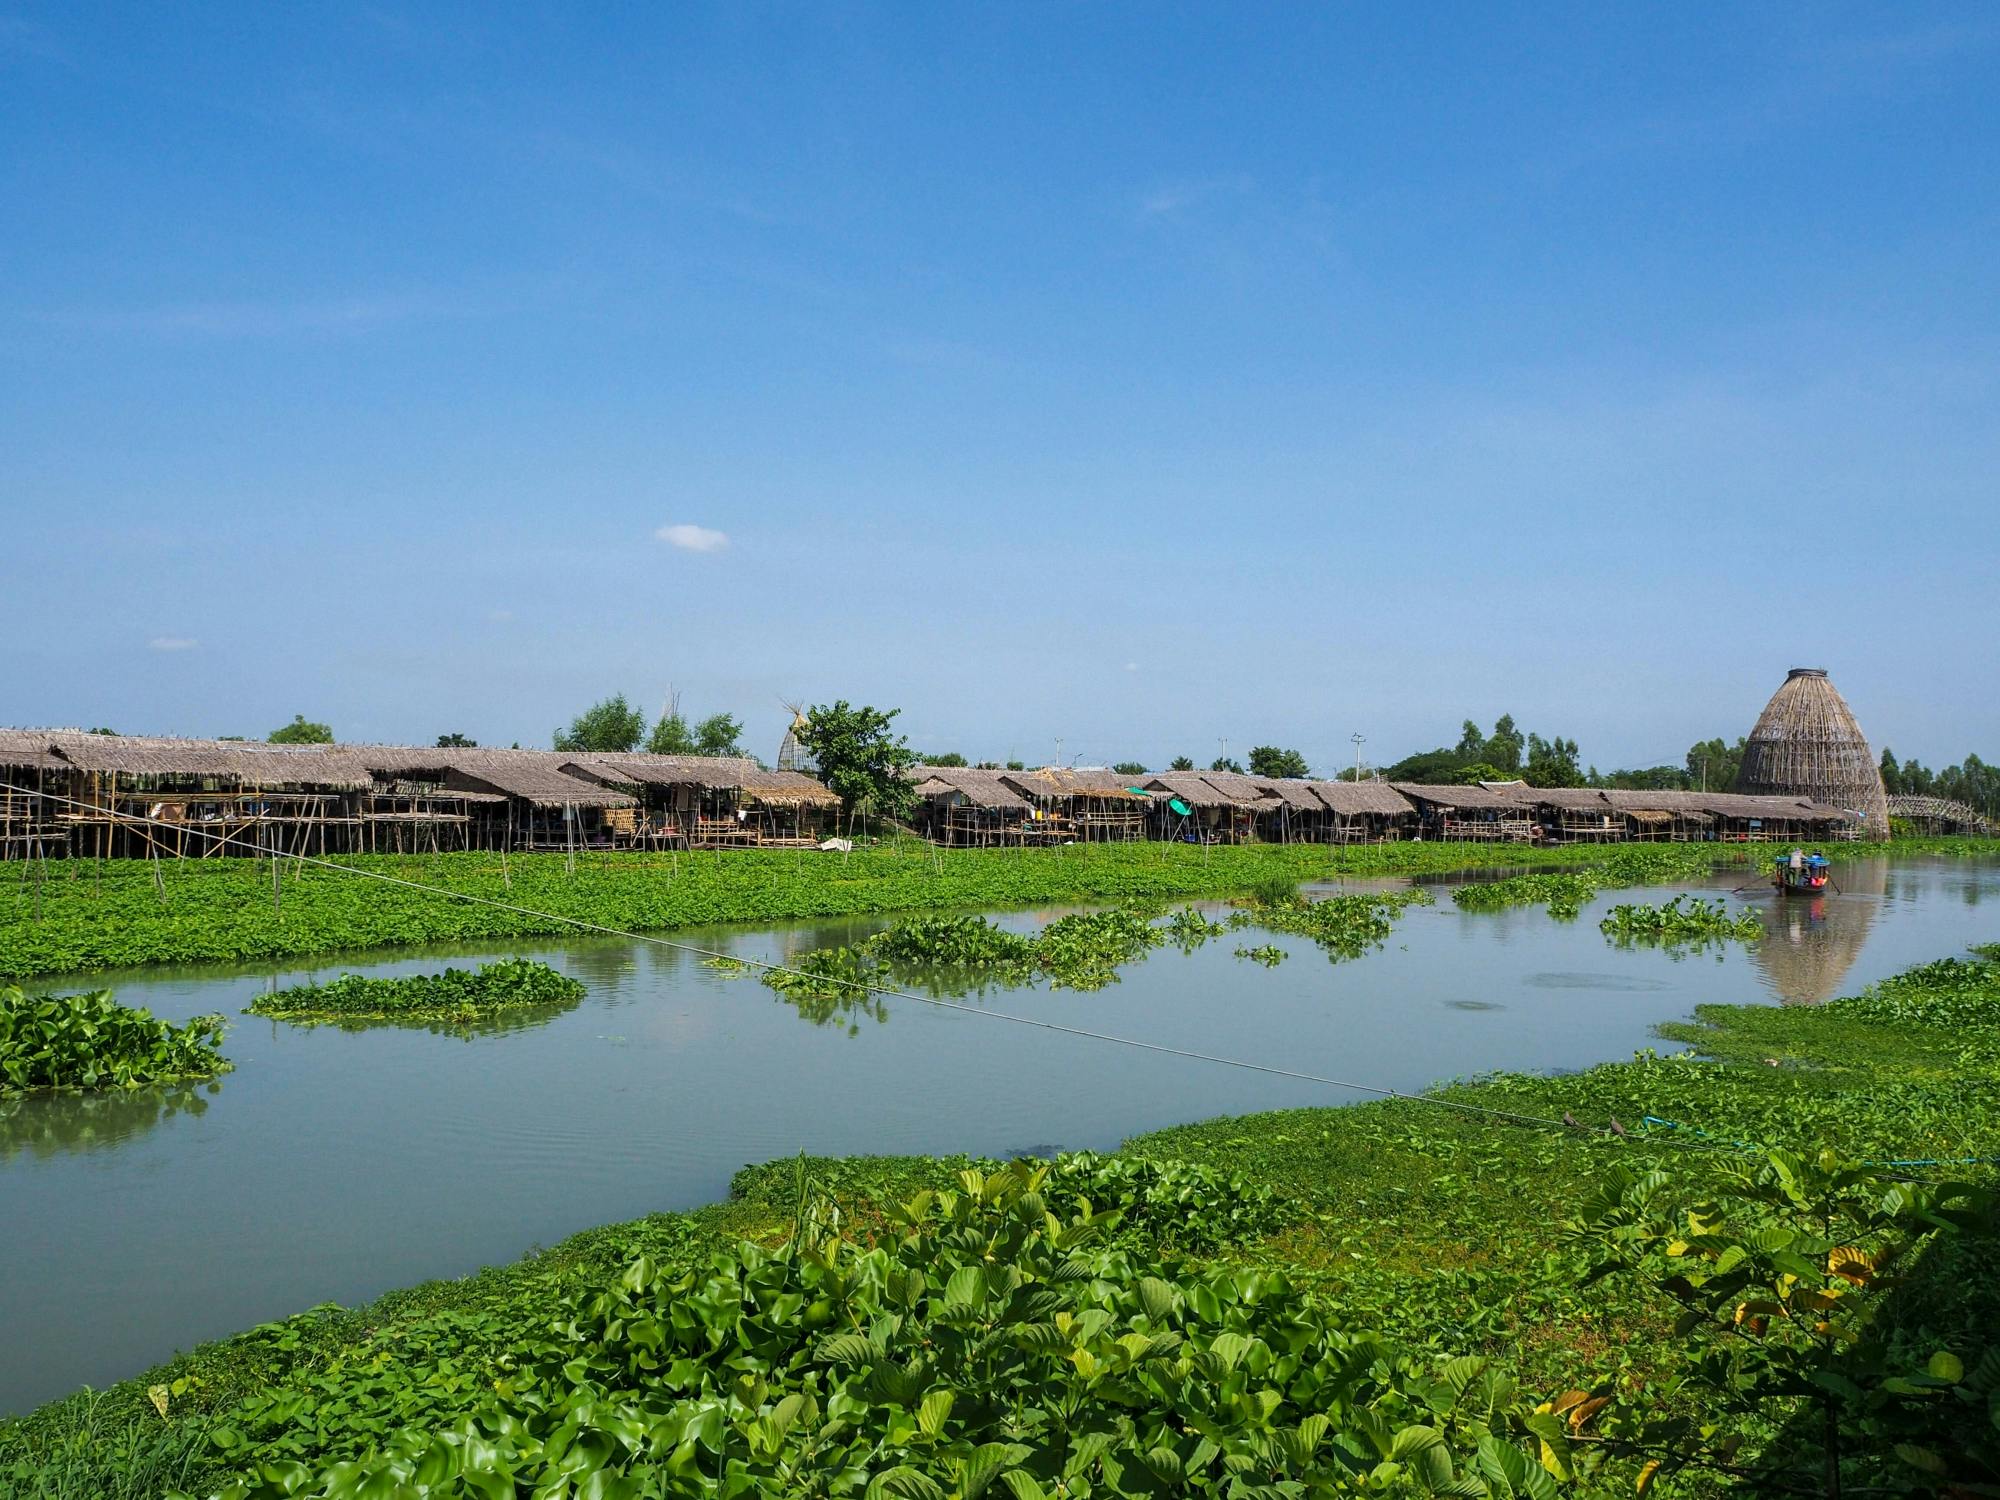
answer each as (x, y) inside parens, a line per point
(172, 643)
(692, 538)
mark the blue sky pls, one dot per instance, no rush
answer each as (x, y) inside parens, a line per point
(1145, 376)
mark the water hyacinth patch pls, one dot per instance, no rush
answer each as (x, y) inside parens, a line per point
(455, 995)
(1564, 895)
(90, 1041)
(1685, 919)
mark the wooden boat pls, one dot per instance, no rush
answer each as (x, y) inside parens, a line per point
(1801, 874)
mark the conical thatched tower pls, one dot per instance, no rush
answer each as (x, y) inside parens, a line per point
(792, 756)
(1806, 744)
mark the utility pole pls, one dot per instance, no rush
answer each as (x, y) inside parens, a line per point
(1359, 741)
(1059, 759)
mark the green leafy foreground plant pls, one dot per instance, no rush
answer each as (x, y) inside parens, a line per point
(90, 1041)
(1782, 1268)
(454, 995)
(995, 1344)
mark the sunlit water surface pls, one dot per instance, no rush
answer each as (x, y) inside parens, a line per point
(332, 1165)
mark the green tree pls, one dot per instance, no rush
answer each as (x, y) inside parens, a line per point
(948, 758)
(1224, 763)
(456, 742)
(1180, 763)
(611, 724)
(671, 736)
(1892, 773)
(1129, 768)
(1269, 760)
(1712, 764)
(302, 731)
(112, 732)
(1552, 762)
(1470, 742)
(1016, 765)
(718, 735)
(1503, 746)
(860, 756)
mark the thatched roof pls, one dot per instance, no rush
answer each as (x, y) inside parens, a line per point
(1570, 799)
(1059, 782)
(1807, 744)
(1458, 798)
(1355, 798)
(981, 788)
(1199, 791)
(248, 763)
(27, 750)
(785, 789)
(532, 776)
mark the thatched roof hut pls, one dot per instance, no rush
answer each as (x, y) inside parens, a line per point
(977, 787)
(535, 777)
(1351, 799)
(1807, 744)
(245, 763)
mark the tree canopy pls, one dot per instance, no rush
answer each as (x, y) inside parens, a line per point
(1270, 760)
(611, 724)
(302, 731)
(716, 735)
(1180, 763)
(1129, 768)
(455, 741)
(1224, 763)
(1973, 782)
(860, 756)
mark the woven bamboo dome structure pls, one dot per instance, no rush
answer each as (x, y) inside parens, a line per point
(1807, 744)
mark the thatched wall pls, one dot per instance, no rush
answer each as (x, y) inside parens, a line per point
(1807, 744)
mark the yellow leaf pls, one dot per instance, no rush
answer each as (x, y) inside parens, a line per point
(1580, 1417)
(1850, 1264)
(1677, 1247)
(1565, 1401)
(1646, 1475)
(157, 1394)
(1554, 1461)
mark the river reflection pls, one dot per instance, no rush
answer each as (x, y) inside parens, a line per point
(1810, 944)
(59, 1122)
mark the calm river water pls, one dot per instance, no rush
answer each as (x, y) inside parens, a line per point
(333, 1165)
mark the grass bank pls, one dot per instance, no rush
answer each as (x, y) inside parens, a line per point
(1442, 1232)
(81, 915)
